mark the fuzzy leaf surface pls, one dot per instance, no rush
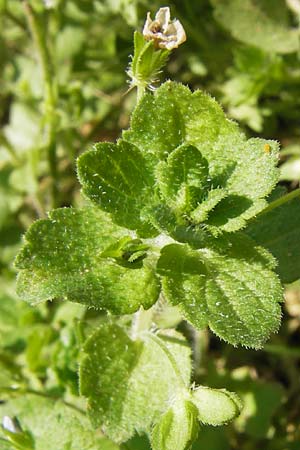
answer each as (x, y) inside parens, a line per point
(216, 406)
(183, 178)
(62, 258)
(178, 427)
(174, 116)
(116, 177)
(119, 376)
(229, 286)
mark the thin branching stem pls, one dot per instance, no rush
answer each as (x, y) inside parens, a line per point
(39, 36)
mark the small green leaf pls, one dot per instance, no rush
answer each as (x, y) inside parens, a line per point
(183, 179)
(119, 376)
(216, 406)
(63, 258)
(227, 285)
(116, 177)
(177, 428)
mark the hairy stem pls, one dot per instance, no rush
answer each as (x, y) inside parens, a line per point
(40, 39)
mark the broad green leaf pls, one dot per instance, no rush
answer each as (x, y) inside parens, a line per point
(228, 285)
(53, 425)
(278, 231)
(174, 116)
(62, 258)
(120, 375)
(258, 23)
(216, 406)
(116, 177)
(178, 427)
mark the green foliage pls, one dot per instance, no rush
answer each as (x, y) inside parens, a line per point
(119, 374)
(278, 231)
(49, 424)
(111, 177)
(238, 166)
(146, 63)
(177, 427)
(196, 196)
(82, 274)
(222, 285)
(216, 407)
(256, 23)
(175, 225)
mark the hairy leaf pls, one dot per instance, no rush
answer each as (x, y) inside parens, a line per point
(183, 179)
(62, 258)
(174, 116)
(228, 285)
(116, 177)
(216, 406)
(178, 427)
(120, 376)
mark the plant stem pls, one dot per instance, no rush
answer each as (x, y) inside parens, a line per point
(40, 38)
(281, 201)
(141, 322)
(140, 92)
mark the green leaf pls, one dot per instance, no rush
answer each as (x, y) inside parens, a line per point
(120, 375)
(246, 170)
(258, 23)
(278, 231)
(216, 406)
(62, 258)
(53, 425)
(183, 179)
(178, 427)
(228, 285)
(116, 177)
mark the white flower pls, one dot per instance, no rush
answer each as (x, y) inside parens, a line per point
(166, 33)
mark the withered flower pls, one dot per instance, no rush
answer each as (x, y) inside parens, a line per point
(164, 32)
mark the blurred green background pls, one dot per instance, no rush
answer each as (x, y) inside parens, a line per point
(245, 53)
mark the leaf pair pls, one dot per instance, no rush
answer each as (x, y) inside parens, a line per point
(119, 376)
